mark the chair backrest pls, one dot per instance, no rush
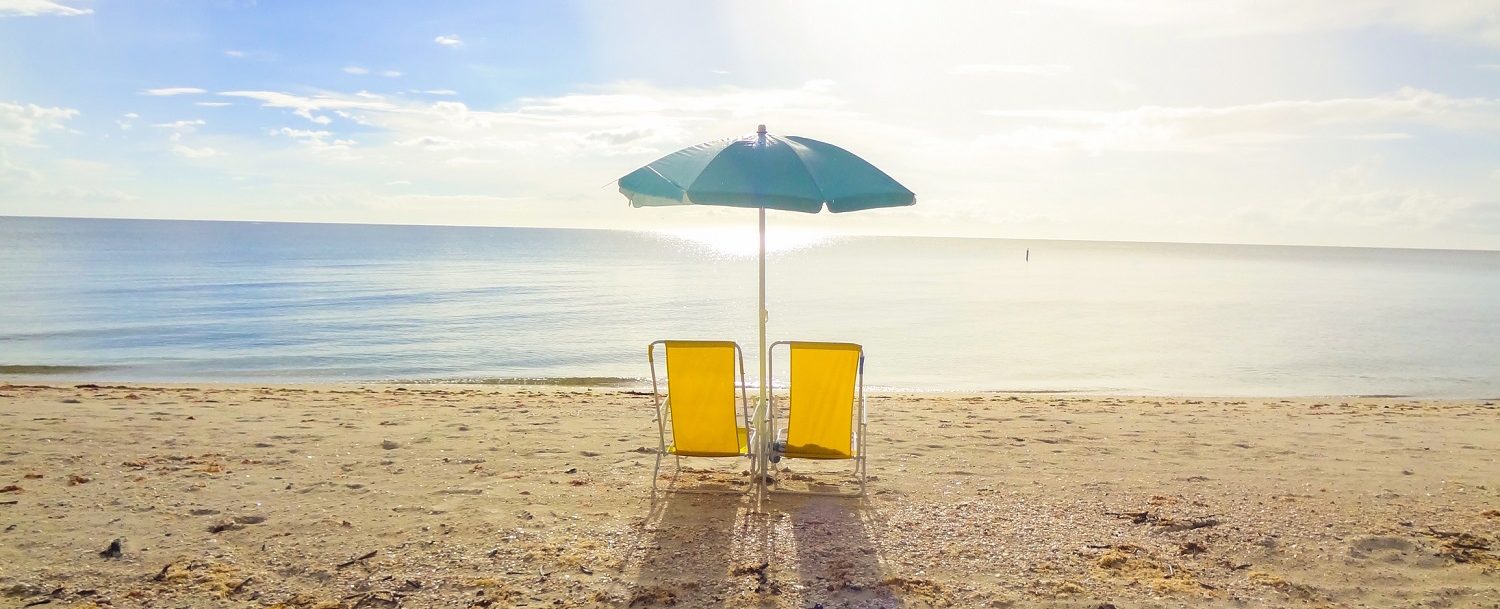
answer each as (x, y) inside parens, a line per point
(700, 393)
(821, 417)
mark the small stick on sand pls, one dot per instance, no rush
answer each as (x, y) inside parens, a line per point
(1196, 523)
(162, 574)
(1135, 517)
(367, 556)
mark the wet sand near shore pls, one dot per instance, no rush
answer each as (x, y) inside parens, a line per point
(464, 496)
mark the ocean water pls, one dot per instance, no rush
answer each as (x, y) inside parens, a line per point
(135, 300)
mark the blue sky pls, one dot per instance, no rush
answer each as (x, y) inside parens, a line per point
(1358, 122)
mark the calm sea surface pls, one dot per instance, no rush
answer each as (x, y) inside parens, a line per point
(227, 301)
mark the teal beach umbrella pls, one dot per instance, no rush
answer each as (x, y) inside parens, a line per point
(764, 171)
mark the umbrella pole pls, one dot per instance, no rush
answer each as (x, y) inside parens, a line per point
(765, 378)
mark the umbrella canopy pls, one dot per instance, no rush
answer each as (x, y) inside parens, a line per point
(765, 171)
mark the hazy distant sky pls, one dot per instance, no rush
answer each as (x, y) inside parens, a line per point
(1356, 122)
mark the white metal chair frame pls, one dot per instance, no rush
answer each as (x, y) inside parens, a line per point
(857, 443)
(664, 409)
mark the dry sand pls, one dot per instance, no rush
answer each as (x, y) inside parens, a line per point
(424, 496)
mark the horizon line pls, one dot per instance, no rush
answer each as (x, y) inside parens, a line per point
(874, 235)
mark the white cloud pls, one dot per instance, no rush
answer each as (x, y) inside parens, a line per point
(1027, 69)
(304, 106)
(439, 92)
(356, 70)
(391, 73)
(187, 124)
(167, 91)
(85, 195)
(189, 152)
(450, 40)
(318, 141)
(341, 104)
(183, 150)
(11, 173)
(34, 8)
(300, 133)
(627, 118)
(1473, 20)
(1489, 66)
(250, 55)
(1202, 128)
(1353, 199)
(21, 124)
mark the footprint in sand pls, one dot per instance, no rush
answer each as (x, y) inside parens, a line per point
(1391, 549)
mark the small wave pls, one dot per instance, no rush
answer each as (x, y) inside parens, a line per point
(565, 381)
(45, 369)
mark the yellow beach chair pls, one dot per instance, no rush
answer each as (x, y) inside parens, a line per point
(825, 412)
(700, 416)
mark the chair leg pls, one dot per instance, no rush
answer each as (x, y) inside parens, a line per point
(860, 467)
(655, 474)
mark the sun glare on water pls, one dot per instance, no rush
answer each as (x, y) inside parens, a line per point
(741, 242)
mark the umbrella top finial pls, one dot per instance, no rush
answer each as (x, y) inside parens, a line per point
(760, 129)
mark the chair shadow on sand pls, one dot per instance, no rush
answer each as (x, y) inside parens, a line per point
(686, 550)
(834, 554)
(712, 550)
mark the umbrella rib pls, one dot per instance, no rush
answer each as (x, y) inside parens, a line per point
(822, 196)
(670, 181)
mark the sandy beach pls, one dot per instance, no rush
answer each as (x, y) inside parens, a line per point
(480, 496)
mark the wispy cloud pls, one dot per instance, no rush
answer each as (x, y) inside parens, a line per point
(318, 141)
(1027, 69)
(183, 150)
(13, 173)
(169, 91)
(250, 55)
(1474, 20)
(34, 8)
(182, 124)
(212, 104)
(1259, 124)
(304, 106)
(20, 124)
(356, 70)
(449, 40)
(391, 73)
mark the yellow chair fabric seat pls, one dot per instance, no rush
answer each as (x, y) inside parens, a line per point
(815, 452)
(701, 398)
(820, 409)
(744, 441)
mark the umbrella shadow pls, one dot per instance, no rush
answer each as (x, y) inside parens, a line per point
(835, 554)
(686, 550)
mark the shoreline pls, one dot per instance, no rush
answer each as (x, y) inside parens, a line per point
(377, 495)
(645, 385)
